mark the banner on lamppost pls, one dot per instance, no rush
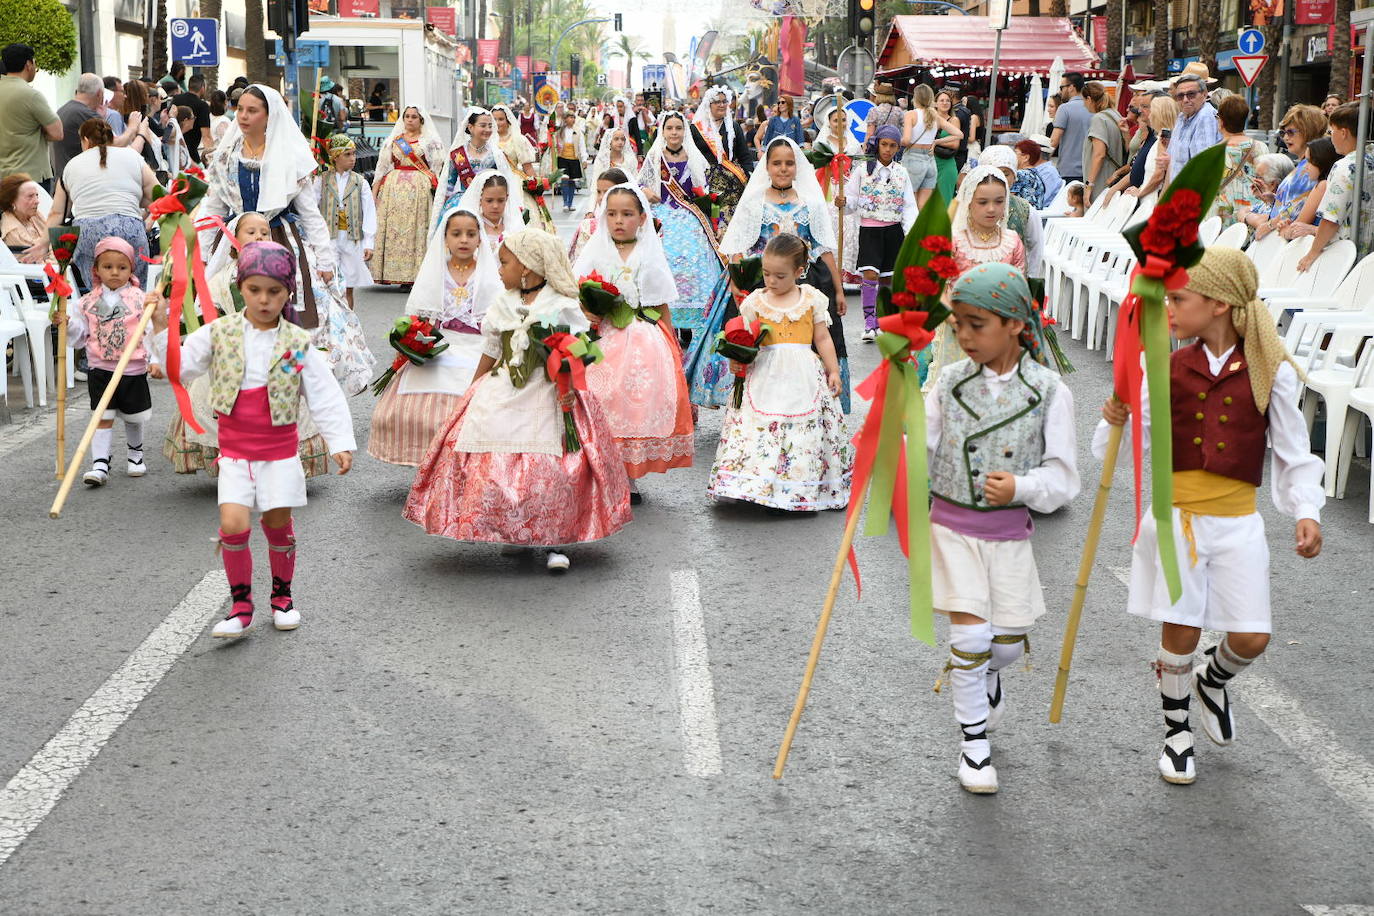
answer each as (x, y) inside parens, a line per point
(545, 93)
(488, 51)
(1314, 12)
(443, 18)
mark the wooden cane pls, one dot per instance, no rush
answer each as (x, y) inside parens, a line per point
(1085, 568)
(845, 544)
(62, 395)
(105, 398)
(315, 118)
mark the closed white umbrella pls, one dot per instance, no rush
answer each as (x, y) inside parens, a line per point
(1056, 74)
(1033, 122)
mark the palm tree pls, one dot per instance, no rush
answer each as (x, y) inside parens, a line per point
(1116, 12)
(159, 56)
(210, 9)
(1161, 55)
(629, 48)
(1059, 8)
(1268, 78)
(1208, 11)
(256, 41)
(1340, 52)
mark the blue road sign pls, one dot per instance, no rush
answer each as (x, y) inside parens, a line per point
(309, 54)
(195, 42)
(1251, 41)
(858, 118)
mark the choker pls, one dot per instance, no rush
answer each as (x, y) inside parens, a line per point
(525, 290)
(669, 149)
(625, 244)
(778, 189)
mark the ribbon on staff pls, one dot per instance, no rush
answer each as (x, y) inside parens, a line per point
(837, 170)
(57, 284)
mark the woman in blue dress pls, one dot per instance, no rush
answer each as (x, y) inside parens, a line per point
(783, 195)
(673, 171)
(473, 151)
(244, 178)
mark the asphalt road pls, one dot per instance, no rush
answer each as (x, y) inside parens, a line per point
(453, 730)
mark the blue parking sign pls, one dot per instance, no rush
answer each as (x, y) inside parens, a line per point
(195, 42)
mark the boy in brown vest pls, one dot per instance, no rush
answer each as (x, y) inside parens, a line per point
(1228, 390)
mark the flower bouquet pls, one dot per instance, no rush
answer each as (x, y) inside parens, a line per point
(708, 202)
(832, 167)
(747, 276)
(566, 359)
(537, 188)
(603, 299)
(415, 341)
(739, 342)
(62, 242)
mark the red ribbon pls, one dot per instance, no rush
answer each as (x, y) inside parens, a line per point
(838, 169)
(58, 285)
(910, 324)
(170, 202)
(575, 375)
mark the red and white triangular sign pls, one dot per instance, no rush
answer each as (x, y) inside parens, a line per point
(1249, 66)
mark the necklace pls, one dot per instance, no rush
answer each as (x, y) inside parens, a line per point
(624, 243)
(248, 153)
(784, 192)
(982, 236)
(671, 151)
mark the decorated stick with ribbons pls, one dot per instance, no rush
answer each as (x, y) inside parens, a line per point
(1166, 245)
(74, 465)
(62, 241)
(894, 478)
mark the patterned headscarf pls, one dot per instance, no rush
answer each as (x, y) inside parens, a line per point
(339, 144)
(1002, 290)
(1227, 275)
(268, 259)
(542, 252)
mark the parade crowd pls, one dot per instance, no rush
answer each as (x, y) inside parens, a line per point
(532, 418)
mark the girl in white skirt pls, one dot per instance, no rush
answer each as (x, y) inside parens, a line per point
(785, 447)
(260, 366)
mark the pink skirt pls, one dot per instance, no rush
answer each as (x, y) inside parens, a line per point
(522, 498)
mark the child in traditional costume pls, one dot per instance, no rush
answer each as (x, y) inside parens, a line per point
(604, 182)
(260, 366)
(498, 470)
(103, 322)
(640, 382)
(473, 152)
(783, 196)
(492, 196)
(348, 208)
(457, 281)
(1000, 433)
(879, 192)
(1230, 390)
(408, 162)
(785, 446)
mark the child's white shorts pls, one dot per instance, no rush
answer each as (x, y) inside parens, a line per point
(261, 485)
(1228, 588)
(994, 580)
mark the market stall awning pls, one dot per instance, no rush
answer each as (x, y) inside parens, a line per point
(1029, 46)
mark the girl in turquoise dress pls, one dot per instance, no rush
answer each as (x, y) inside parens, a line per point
(783, 195)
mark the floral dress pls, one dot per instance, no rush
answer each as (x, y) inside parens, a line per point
(690, 246)
(404, 196)
(1237, 190)
(786, 446)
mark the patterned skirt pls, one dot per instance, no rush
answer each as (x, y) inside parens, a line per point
(696, 266)
(641, 388)
(403, 204)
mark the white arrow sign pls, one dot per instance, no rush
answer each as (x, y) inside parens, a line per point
(1249, 66)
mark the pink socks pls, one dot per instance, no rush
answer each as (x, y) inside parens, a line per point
(281, 553)
(238, 568)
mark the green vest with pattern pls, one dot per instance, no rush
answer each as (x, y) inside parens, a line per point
(227, 365)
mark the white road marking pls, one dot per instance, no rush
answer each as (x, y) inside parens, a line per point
(1342, 909)
(696, 690)
(1347, 774)
(36, 789)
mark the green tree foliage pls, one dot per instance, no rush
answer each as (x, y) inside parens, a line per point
(46, 25)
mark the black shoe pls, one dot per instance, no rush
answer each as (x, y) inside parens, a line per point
(636, 497)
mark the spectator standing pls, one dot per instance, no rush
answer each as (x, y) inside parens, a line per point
(1052, 103)
(964, 116)
(90, 90)
(784, 123)
(1330, 104)
(1197, 126)
(1105, 150)
(194, 99)
(114, 105)
(883, 113)
(27, 122)
(1049, 175)
(1071, 120)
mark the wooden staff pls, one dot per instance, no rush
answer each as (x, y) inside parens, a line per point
(75, 465)
(61, 392)
(845, 544)
(315, 118)
(1085, 568)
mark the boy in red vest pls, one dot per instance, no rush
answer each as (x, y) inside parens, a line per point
(1228, 391)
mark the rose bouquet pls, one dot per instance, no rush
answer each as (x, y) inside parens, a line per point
(603, 299)
(566, 359)
(415, 341)
(740, 342)
(747, 276)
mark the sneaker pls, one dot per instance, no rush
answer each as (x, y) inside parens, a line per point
(1215, 707)
(558, 562)
(1176, 762)
(978, 778)
(79, 375)
(997, 704)
(136, 467)
(233, 626)
(870, 335)
(287, 618)
(98, 474)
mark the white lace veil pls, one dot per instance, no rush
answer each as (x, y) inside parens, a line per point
(747, 223)
(428, 297)
(603, 157)
(965, 196)
(461, 139)
(653, 159)
(471, 201)
(652, 273)
(707, 124)
(289, 165)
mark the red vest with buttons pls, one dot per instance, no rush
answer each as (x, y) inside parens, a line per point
(1217, 426)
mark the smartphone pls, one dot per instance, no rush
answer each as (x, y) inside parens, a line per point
(1164, 136)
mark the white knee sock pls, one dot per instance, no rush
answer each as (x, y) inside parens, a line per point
(1224, 663)
(1008, 644)
(100, 444)
(1175, 687)
(970, 649)
(133, 436)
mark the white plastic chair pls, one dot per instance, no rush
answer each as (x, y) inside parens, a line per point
(1321, 279)
(13, 328)
(1361, 402)
(1278, 278)
(34, 314)
(1265, 254)
(1208, 231)
(1233, 236)
(1332, 383)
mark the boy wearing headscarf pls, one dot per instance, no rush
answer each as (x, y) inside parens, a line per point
(1230, 390)
(260, 366)
(882, 197)
(1000, 435)
(348, 208)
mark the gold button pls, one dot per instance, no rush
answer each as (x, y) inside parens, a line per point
(1221, 445)
(1198, 415)
(1197, 440)
(1222, 418)
(1226, 400)
(1202, 395)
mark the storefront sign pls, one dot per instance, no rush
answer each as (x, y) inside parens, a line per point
(1314, 12)
(360, 9)
(1318, 50)
(443, 18)
(522, 63)
(488, 50)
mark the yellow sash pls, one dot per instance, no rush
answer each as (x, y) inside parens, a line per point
(1205, 493)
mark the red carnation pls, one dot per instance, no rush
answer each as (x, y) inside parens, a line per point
(904, 300)
(68, 237)
(62, 254)
(945, 267)
(936, 243)
(924, 286)
(1187, 202)
(1157, 241)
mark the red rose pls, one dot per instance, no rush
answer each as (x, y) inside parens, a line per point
(936, 243)
(741, 334)
(904, 300)
(945, 267)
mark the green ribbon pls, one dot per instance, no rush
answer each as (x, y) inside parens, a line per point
(1154, 335)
